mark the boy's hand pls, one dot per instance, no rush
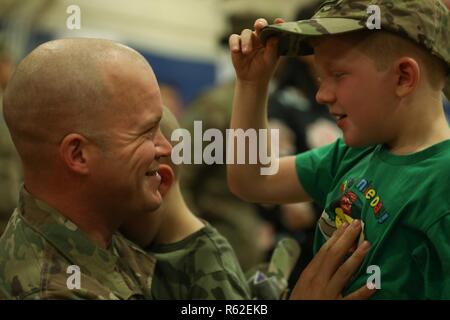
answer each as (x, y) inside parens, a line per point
(252, 61)
(327, 274)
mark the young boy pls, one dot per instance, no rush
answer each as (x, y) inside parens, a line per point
(193, 260)
(391, 169)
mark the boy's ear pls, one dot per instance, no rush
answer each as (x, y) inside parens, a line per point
(167, 178)
(74, 153)
(407, 72)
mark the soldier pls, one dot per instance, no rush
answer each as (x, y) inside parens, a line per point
(83, 115)
(10, 176)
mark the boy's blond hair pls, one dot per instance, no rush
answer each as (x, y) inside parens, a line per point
(385, 48)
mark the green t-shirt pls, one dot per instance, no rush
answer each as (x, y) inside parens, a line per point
(404, 203)
(201, 266)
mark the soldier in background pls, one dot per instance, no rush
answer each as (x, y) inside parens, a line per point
(10, 173)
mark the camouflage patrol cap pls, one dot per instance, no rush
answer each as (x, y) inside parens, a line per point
(426, 22)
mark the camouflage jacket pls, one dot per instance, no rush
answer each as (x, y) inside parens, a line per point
(40, 247)
(201, 266)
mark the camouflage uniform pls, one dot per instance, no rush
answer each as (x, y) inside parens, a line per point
(38, 246)
(205, 186)
(10, 173)
(201, 266)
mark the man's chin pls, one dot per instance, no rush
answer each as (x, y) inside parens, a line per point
(155, 202)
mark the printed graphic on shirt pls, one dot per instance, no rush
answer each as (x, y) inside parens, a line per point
(353, 195)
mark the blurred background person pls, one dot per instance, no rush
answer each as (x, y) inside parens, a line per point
(170, 94)
(10, 172)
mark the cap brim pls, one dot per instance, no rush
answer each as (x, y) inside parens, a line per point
(292, 36)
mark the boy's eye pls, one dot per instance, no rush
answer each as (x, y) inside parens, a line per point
(338, 74)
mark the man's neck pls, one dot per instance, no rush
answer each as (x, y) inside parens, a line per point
(178, 221)
(93, 223)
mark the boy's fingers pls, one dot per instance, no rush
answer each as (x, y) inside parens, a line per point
(349, 267)
(362, 293)
(278, 21)
(259, 25)
(234, 42)
(246, 41)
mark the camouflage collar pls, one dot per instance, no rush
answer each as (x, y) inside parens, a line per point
(73, 244)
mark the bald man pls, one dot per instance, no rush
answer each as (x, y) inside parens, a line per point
(84, 116)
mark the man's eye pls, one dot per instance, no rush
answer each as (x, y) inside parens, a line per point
(150, 133)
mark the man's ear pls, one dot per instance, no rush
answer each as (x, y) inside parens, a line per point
(73, 151)
(408, 74)
(167, 178)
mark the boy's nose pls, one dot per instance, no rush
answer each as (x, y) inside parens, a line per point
(325, 95)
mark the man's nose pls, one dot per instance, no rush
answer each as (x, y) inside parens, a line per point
(325, 94)
(163, 146)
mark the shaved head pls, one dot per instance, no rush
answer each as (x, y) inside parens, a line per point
(63, 86)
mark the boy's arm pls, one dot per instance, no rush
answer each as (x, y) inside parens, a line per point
(254, 65)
